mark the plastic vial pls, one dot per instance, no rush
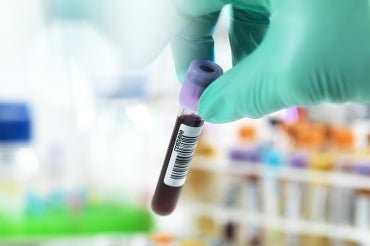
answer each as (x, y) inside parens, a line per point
(187, 129)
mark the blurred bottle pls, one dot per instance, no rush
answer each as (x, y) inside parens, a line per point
(252, 193)
(274, 155)
(319, 191)
(19, 164)
(231, 195)
(246, 153)
(341, 198)
(320, 160)
(362, 200)
(275, 149)
(317, 199)
(306, 141)
(303, 143)
(294, 193)
(229, 235)
(252, 201)
(245, 190)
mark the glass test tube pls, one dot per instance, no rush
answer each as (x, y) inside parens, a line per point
(187, 129)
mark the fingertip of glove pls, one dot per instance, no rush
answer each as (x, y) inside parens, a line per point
(214, 109)
(218, 116)
(207, 109)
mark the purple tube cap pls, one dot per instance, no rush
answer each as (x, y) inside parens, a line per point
(363, 168)
(200, 75)
(299, 160)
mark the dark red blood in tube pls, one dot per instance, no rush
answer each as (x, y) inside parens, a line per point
(165, 197)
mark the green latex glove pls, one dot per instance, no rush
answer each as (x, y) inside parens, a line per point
(313, 51)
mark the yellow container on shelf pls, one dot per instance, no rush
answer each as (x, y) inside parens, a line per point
(193, 242)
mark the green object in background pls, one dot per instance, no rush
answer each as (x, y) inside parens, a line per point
(104, 217)
(115, 218)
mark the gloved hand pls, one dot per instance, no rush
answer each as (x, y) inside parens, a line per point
(313, 51)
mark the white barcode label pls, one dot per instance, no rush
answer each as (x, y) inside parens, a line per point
(182, 154)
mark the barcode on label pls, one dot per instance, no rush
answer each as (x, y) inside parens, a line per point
(185, 154)
(182, 154)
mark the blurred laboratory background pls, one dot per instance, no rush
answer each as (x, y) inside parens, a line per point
(83, 139)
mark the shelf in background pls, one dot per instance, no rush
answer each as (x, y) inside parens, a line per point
(283, 224)
(331, 178)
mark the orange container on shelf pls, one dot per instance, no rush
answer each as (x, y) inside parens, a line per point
(162, 239)
(343, 139)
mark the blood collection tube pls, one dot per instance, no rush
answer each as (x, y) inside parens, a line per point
(187, 129)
